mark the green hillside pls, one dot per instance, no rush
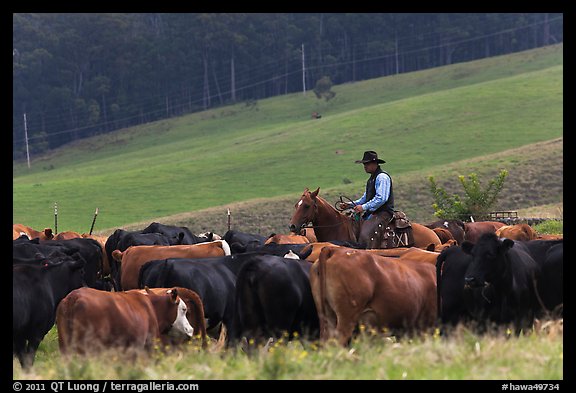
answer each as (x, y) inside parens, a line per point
(481, 116)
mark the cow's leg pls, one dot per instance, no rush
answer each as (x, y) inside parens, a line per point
(329, 322)
(344, 330)
(18, 349)
(29, 354)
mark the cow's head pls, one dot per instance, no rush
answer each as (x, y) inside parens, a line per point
(66, 272)
(171, 314)
(489, 262)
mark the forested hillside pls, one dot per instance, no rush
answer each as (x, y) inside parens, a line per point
(77, 75)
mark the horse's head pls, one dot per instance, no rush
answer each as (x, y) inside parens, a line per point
(305, 210)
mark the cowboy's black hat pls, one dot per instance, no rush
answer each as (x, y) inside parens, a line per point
(370, 156)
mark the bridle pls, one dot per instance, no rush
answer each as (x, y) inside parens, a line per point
(310, 221)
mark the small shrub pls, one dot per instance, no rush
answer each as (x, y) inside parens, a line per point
(476, 202)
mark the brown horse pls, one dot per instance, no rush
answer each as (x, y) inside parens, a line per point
(329, 224)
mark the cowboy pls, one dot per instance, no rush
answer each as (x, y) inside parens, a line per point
(377, 203)
(378, 197)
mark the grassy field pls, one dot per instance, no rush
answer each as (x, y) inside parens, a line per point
(483, 116)
(478, 117)
(462, 355)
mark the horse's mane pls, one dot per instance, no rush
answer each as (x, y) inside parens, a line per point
(327, 203)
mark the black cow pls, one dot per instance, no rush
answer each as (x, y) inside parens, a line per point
(509, 273)
(551, 283)
(458, 303)
(455, 227)
(90, 250)
(537, 249)
(243, 242)
(86, 249)
(175, 234)
(36, 292)
(283, 249)
(273, 297)
(212, 279)
(451, 266)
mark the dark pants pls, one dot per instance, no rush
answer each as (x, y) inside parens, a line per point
(373, 230)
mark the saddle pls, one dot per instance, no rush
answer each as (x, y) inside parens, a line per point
(384, 230)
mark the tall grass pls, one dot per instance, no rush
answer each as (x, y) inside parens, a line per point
(462, 355)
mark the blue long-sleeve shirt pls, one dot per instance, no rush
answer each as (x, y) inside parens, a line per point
(382, 185)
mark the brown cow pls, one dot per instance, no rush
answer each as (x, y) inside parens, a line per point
(473, 230)
(194, 312)
(443, 246)
(546, 236)
(455, 227)
(287, 239)
(136, 256)
(318, 246)
(385, 252)
(16, 234)
(517, 232)
(417, 254)
(351, 287)
(443, 234)
(66, 235)
(309, 233)
(90, 320)
(21, 229)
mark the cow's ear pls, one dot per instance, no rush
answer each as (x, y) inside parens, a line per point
(467, 246)
(173, 294)
(507, 244)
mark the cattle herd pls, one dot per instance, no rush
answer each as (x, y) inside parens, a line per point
(164, 285)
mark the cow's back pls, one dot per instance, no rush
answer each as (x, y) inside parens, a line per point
(517, 232)
(473, 230)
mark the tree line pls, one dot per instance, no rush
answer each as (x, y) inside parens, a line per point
(81, 74)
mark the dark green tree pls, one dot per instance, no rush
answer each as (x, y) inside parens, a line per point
(323, 88)
(77, 74)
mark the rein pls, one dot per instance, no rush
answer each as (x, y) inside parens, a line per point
(320, 226)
